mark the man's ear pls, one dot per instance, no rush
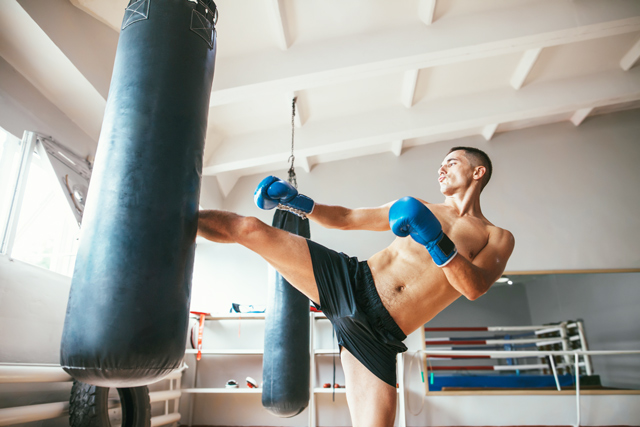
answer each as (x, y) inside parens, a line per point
(478, 172)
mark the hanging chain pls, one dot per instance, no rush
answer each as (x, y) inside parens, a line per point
(292, 173)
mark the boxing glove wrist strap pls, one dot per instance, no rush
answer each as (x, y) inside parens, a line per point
(300, 205)
(442, 250)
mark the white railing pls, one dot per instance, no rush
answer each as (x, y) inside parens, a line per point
(11, 374)
(538, 353)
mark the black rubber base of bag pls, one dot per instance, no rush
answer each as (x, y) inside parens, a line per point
(88, 406)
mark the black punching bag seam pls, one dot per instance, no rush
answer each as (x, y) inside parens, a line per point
(137, 11)
(202, 27)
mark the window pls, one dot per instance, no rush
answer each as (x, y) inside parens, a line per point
(10, 155)
(41, 228)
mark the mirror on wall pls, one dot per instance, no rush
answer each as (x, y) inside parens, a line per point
(533, 313)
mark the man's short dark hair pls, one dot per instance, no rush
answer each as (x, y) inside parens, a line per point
(477, 157)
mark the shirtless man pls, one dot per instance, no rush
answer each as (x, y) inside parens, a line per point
(453, 250)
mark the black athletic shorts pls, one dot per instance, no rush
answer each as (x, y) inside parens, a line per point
(349, 299)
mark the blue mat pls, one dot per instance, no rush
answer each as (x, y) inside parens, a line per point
(507, 381)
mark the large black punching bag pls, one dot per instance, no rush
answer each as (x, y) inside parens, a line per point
(127, 315)
(286, 361)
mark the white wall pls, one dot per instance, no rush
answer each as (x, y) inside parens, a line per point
(33, 302)
(23, 107)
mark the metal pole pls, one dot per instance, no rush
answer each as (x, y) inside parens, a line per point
(577, 390)
(25, 414)
(312, 371)
(565, 342)
(584, 346)
(555, 373)
(32, 374)
(193, 397)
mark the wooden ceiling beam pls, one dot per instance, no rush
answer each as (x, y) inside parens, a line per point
(427, 121)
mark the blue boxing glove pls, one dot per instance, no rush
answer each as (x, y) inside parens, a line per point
(273, 192)
(409, 216)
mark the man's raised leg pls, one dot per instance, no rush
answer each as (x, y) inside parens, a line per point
(372, 402)
(286, 252)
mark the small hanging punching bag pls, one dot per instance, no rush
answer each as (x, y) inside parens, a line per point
(127, 315)
(286, 361)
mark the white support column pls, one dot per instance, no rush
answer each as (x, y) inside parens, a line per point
(579, 116)
(426, 10)
(631, 57)
(279, 23)
(312, 371)
(402, 416)
(409, 83)
(176, 403)
(305, 163)
(396, 147)
(489, 130)
(577, 368)
(524, 67)
(226, 181)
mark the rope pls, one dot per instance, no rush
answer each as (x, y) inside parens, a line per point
(414, 356)
(292, 173)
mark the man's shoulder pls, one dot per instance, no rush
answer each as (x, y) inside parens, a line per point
(500, 236)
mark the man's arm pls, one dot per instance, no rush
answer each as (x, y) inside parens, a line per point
(474, 278)
(273, 192)
(372, 219)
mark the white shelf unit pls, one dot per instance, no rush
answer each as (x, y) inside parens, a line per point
(314, 352)
(222, 352)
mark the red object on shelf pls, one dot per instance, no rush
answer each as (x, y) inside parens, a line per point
(200, 331)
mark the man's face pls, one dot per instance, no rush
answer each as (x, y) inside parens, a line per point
(454, 173)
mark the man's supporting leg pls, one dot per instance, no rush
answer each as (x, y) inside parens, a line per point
(372, 402)
(286, 252)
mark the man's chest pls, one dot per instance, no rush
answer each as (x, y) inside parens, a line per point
(470, 235)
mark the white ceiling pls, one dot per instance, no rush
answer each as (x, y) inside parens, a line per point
(370, 76)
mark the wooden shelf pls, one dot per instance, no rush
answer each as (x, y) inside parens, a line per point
(328, 351)
(234, 351)
(221, 390)
(338, 390)
(329, 390)
(232, 316)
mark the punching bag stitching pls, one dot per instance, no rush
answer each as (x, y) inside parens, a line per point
(202, 27)
(133, 13)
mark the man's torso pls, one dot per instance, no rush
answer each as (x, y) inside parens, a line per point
(411, 286)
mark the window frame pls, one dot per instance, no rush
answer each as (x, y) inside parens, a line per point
(10, 227)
